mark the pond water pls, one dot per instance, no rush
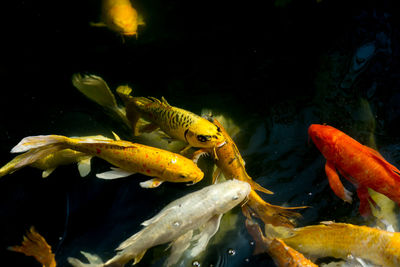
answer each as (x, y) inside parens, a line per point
(272, 70)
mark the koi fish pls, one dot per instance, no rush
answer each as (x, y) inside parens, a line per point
(175, 122)
(120, 16)
(35, 245)
(361, 165)
(230, 162)
(339, 240)
(50, 162)
(129, 158)
(282, 254)
(201, 210)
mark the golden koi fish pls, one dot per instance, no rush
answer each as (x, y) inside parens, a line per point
(35, 245)
(129, 157)
(232, 165)
(120, 16)
(282, 254)
(177, 123)
(177, 222)
(341, 239)
(50, 162)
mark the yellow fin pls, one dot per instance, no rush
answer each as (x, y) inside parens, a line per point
(116, 137)
(97, 24)
(164, 101)
(139, 257)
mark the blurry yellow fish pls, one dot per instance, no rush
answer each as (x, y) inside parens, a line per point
(283, 255)
(35, 245)
(120, 16)
(339, 240)
(48, 163)
(129, 157)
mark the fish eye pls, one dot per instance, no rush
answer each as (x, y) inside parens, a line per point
(235, 197)
(182, 176)
(218, 129)
(203, 138)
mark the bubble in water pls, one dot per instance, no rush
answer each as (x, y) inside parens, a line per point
(196, 264)
(251, 243)
(231, 252)
(247, 260)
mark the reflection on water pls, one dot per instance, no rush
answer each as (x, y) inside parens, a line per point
(347, 77)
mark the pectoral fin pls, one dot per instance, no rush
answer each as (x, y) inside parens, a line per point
(208, 231)
(365, 201)
(47, 172)
(335, 183)
(115, 173)
(98, 24)
(178, 247)
(152, 183)
(84, 166)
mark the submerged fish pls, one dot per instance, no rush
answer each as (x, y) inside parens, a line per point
(361, 165)
(231, 164)
(340, 240)
(129, 157)
(283, 255)
(175, 122)
(120, 16)
(201, 210)
(35, 245)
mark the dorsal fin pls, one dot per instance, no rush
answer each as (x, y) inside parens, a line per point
(378, 157)
(164, 101)
(116, 137)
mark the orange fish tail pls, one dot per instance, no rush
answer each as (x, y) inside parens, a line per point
(272, 214)
(35, 245)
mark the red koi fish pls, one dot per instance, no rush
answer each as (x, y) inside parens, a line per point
(361, 165)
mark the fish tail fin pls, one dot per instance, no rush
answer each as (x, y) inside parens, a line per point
(272, 214)
(94, 260)
(97, 90)
(10, 166)
(35, 245)
(38, 141)
(132, 114)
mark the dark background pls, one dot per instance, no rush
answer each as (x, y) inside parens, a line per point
(243, 59)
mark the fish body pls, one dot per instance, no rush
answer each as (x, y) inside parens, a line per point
(230, 162)
(201, 210)
(120, 16)
(361, 165)
(128, 157)
(340, 240)
(35, 245)
(282, 254)
(175, 122)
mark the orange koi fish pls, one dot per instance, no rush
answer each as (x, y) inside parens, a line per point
(361, 165)
(35, 245)
(282, 254)
(231, 164)
(129, 158)
(339, 240)
(120, 16)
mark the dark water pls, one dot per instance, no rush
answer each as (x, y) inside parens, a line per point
(272, 69)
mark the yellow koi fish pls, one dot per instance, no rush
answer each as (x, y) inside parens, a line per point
(129, 158)
(339, 240)
(175, 122)
(35, 245)
(120, 16)
(282, 254)
(231, 164)
(50, 162)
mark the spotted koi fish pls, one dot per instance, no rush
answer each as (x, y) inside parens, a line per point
(175, 122)
(282, 254)
(361, 165)
(35, 245)
(231, 164)
(129, 158)
(340, 240)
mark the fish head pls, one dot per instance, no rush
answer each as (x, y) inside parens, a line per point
(324, 137)
(181, 169)
(204, 134)
(124, 19)
(229, 194)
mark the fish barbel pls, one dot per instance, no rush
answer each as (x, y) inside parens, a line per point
(129, 157)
